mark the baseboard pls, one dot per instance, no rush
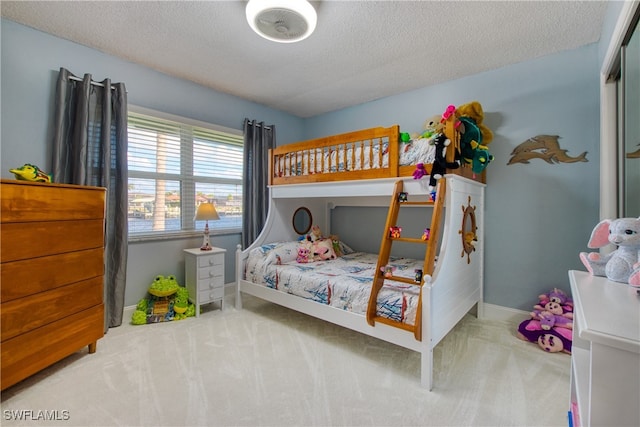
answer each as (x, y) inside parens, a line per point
(498, 312)
(491, 311)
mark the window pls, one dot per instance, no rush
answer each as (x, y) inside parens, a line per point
(175, 164)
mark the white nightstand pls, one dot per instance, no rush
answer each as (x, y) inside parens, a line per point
(204, 276)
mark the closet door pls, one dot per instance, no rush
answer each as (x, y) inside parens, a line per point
(630, 141)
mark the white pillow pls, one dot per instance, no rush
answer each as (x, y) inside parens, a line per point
(283, 252)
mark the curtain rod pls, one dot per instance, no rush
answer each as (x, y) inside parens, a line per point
(78, 79)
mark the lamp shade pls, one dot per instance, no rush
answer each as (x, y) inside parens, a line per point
(283, 21)
(206, 211)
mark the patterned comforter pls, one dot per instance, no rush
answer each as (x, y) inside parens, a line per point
(343, 283)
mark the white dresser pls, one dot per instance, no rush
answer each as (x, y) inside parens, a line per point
(204, 276)
(605, 359)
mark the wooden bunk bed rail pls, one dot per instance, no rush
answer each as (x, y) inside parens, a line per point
(365, 154)
(349, 156)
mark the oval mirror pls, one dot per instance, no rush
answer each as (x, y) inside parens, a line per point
(302, 220)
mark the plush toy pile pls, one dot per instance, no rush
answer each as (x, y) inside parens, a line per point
(551, 323)
(314, 247)
(475, 137)
(166, 301)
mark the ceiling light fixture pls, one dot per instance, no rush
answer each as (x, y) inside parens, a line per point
(283, 21)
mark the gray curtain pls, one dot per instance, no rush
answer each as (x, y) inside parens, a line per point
(258, 139)
(90, 148)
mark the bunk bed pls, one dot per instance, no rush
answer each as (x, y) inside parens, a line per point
(364, 168)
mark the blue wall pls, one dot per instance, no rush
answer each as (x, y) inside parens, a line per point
(30, 63)
(538, 216)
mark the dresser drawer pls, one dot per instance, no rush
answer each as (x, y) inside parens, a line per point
(26, 314)
(22, 201)
(25, 240)
(211, 295)
(31, 276)
(211, 260)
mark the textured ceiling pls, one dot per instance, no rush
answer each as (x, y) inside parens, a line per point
(360, 51)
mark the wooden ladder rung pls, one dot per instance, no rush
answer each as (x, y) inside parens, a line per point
(403, 280)
(416, 203)
(410, 240)
(395, 323)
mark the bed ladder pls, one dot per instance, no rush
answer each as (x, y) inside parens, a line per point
(385, 251)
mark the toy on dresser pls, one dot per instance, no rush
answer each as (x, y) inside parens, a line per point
(623, 264)
(551, 323)
(29, 172)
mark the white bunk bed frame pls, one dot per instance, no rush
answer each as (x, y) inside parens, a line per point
(454, 289)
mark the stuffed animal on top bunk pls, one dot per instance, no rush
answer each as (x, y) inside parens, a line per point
(432, 126)
(440, 164)
(551, 323)
(474, 136)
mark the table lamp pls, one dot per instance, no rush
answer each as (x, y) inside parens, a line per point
(206, 212)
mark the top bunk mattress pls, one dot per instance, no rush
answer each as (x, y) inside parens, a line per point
(343, 283)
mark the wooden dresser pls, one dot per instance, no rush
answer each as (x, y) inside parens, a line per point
(51, 274)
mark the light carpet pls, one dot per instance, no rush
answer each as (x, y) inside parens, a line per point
(270, 366)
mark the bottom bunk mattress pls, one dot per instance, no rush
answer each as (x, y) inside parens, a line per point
(343, 282)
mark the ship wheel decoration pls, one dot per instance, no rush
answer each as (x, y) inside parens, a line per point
(468, 230)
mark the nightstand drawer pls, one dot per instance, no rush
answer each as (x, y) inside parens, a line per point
(208, 284)
(211, 260)
(210, 273)
(211, 295)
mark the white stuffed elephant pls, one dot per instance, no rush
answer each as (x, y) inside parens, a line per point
(623, 264)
